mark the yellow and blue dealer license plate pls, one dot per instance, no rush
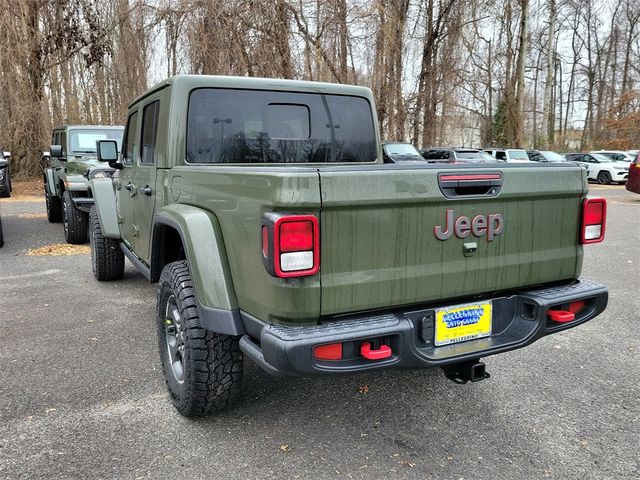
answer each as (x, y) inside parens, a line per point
(463, 322)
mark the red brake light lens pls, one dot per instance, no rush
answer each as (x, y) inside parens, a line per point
(594, 215)
(291, 244)
(296, 236)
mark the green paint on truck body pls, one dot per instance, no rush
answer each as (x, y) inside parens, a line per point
(378, 248)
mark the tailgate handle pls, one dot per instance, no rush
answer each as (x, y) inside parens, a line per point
(470, 184)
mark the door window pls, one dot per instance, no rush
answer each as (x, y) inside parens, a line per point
(130, 139)
(149, 132)
(63, 142)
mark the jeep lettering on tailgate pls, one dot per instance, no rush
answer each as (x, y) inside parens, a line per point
(491, 225)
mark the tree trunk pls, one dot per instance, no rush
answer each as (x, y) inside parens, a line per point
(519, 100)
(550, 77)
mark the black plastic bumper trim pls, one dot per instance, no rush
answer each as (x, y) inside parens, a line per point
(519, 320)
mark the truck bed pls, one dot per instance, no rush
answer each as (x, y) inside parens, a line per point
(378, 246)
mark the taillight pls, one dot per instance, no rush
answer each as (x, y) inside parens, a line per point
(594, 216)
(290, 244)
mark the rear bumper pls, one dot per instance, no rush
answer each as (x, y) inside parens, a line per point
(519, 319)
(620, 176)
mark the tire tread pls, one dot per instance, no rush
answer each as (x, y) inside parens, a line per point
(213, 362)
(109, 258)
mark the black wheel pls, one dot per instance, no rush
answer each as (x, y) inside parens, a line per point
(107, 259)
(74, 221)
(54, 208)
(202, 369)
(604, 177)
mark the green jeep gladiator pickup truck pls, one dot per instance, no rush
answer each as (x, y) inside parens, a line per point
(67, 168)
(275, 232)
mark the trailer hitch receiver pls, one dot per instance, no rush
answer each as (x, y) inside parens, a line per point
(461, 373)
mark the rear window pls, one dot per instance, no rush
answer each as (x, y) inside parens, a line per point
(518, 155)
(258, 126)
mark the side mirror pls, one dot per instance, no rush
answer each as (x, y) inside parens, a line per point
(6, 154)
(107, 150)
(55, 151)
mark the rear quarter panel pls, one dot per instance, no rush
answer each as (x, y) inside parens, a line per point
(238, 197)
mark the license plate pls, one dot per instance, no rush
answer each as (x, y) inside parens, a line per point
(463, 322)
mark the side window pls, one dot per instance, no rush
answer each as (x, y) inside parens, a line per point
(54, 138)
(63, 142)
(130, 139)
(149, 131)
(501, 155)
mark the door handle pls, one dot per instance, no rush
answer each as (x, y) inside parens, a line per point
(147, 190)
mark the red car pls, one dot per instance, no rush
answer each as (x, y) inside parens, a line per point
(633, 183)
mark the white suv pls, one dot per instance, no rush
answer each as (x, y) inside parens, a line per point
(600, 167)
(617, 155)
(509, 155)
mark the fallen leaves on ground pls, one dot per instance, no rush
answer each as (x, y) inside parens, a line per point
(285, 447)
(59, 249)
(28, 187)
(19, 197)
(363, 389)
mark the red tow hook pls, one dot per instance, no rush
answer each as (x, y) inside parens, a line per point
(561, 316)
(383, 352)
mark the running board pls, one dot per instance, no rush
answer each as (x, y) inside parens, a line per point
(139, 264)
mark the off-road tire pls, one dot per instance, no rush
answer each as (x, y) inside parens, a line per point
(107, 259)
(54, 208)
(75, 222)
(210, 363)
(604, 177)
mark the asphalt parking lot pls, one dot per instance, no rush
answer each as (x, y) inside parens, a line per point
(82, 395)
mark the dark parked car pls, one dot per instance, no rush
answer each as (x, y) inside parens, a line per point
(5, 175)
(633, 184)
(545, 156)
(399, 152)
(455, 155)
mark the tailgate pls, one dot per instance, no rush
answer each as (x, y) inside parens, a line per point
(379, 248)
